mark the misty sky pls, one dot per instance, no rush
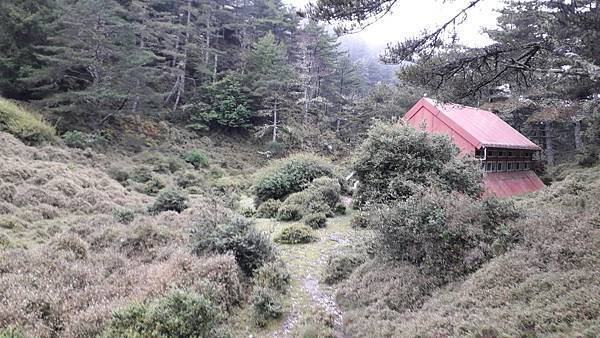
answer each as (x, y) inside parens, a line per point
(409, 17)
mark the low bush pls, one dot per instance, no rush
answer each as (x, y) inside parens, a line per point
(321, 196)
(26, 126)
(170, 199)
(119, 174)
(397, 161)
(266, 305)
(81, 140)
(161, 163)
(189, 178)
(197, 159)
(145, 239)
(360, 220)
(124, 216)
(178, 314)
(339, 267)
(273, 275)
(152, 186)
(339, 209)
(377, 292)
(445, 234)
(268, 209)
(289, 213)
(316, 221)
(73, 244)
(289, 175)
(141, 174)
(317, 324)
(295, 234)
(7, 192)
(271, 283)
(251, 248)
(12, 332)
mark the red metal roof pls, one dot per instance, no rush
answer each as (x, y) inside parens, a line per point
(481, 127)
(511, 183)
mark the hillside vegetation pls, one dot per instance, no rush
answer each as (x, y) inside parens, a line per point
(226, 168)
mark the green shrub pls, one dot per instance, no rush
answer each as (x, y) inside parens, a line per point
(189, 178)
(588, 158)
(266, 305)
(197, 159)
(339, 209)
(321, 196)
(24, 125)
(119, 174)
(289, 175)
(319, 323)
(170, 199)
(178, 314)
(228, 106)
(82, 140)
(288, 213)
(273, 275)
(124, 216)
(251, 248)
(152, 186)
(445, 233)
(268, 209)
(141, 174)
(72, 243)
(295, 234)
(275, 148)
(339, 268)
(316, 221)
(142, 240)
(12, 332)
(397, 161)
(161, 163)
(7, 192)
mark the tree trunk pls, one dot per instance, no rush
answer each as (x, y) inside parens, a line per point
(214, 76)
(548, 141)
(181, 77)
(578, 141)
(208, 27)
(275, 122)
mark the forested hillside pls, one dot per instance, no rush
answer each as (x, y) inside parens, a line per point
(235, 168)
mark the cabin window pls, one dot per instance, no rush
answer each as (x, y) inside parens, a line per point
(510, 154)
(500, 153)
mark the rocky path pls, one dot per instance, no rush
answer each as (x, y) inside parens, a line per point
(306, 263)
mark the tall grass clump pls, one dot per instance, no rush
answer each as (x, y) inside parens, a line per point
(26, 126)
(289, 175)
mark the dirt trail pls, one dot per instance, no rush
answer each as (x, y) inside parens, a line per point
(306, 263)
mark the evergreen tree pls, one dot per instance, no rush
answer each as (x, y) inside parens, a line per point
(270, 78)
